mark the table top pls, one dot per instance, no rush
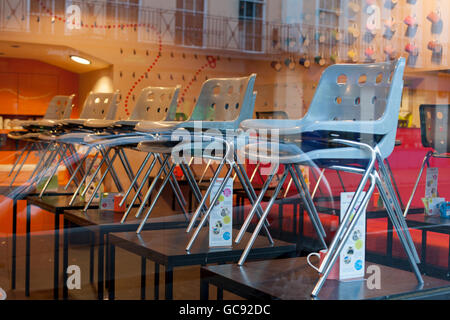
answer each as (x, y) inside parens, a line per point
(110, 219)
(58, 204)
(167, 247)
(294, 279)
(15, 192)
(424, 221)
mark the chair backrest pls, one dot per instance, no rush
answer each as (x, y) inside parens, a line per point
(100, 106)
(367, 94)
(156, 104)
(60, 107)
(271, 115)
(225, 100)
(355, 92)
(434, 126)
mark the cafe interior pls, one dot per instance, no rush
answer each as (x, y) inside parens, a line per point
(224, 150)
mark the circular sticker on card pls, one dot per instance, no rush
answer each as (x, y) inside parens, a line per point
(358, 264)
(224, 212)
(226, 236)
(227, 192)
(358, 244)
(221, 198)
(347, 259)
(216, 230)
(218, 224)
(356, 235)
(226, 219)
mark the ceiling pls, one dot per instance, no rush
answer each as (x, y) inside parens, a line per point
(55, 55)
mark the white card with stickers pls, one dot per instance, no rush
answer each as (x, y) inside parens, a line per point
(352, 256)
(221, 216)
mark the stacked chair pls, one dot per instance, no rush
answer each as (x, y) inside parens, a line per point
(222, 105)
(64, 134)
(350, 126)
(59, 108)
(435, 134)
(155, 104)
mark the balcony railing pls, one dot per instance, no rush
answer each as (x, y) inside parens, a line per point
(120, 20)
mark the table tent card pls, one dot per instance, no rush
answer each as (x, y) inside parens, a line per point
(352, 256)
(221, 217)
(431, 183)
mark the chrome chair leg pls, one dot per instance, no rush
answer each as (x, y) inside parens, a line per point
(213, 201)
(128, 170)
(152, 186)
(145, 178)
(100, 182)
(20, 167)
(133, 183)
(317, 183)
(79, 167)
(425, 161)
(158, 194)
(260, 211)
(208, 191)
(401, 231)
(27, 146)
(347, 216)
(250, 215)
(333, 253)
(91, 164)
(313, 215)
(54, 170)
(261, 221)
(103, 161)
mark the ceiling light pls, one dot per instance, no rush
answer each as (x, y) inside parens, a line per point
(80, 60)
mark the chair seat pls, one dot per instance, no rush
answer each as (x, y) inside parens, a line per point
(157, 126)
(118, 140)
(304, 153)
(18, 135)
(99, 123)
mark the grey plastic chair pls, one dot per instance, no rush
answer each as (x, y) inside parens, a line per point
(153, 104)
(71, 132)
(435, 133)
(60, 107)
(222, 105)
(349, 126)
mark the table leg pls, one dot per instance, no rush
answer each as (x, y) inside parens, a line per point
(280, 219)
(448, 262)
(14, 244)
(204, 289)
(100, 271)
(143, 276)
(168, 277)
(424, 251)
(219, 293)
(65, 257)
(294, 225)
(27, 252)
(56, 258)
(91, 258)
(390, 234)
(111, 271)
(156, 284)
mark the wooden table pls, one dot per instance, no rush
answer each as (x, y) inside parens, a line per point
(294, 279)
(167, 247)
(56, 205)
(101, 223)
(429, 224)
(15, 195)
